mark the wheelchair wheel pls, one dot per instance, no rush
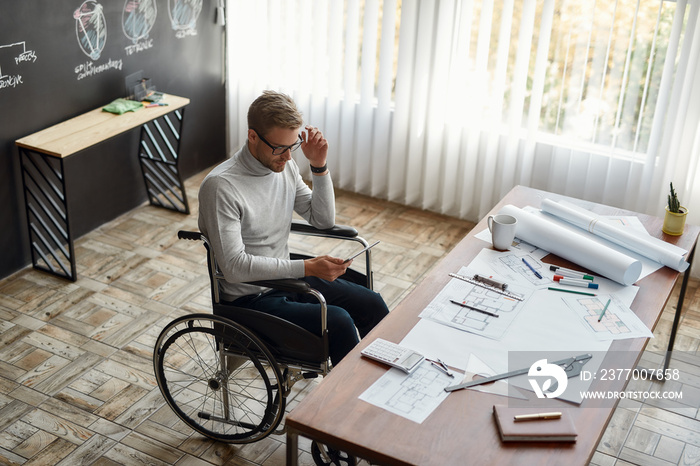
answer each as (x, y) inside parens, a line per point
(219, 378)
(324, 455)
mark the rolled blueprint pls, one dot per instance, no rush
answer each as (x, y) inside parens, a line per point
(653, 248)
(575, 247)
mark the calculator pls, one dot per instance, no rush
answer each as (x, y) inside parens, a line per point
(394, 355)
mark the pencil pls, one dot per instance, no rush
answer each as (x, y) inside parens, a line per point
(570, 291)
(473, 308)
(604, 309)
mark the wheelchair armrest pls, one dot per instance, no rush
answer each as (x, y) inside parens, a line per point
(337, 231)
(285, 284)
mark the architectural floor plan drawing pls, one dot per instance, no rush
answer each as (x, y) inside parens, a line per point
(482, 310)
(609, 323)
(617, 323)
(412, 396)
(515, 266)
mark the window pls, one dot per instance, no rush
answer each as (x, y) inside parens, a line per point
(603, 71)
(448, 104)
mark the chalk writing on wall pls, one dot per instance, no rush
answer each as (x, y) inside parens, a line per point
(18, 53)
(138, 18)
(183, 16)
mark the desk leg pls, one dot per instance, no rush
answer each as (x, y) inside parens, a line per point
(679, 308)
(292, 447)
(46, 206)
(159, 149)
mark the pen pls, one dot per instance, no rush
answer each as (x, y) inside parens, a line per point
(537, 274)
(532, 417)
(570, 291)
(473, 308)
(441, 366)
(575, 282)
(604, 309)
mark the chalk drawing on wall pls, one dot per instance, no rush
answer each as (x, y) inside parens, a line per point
(138, 18)
(91, 28)
(91, 31)
(183, 16)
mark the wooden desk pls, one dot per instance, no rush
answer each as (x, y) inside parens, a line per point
(462, 429)
(42, 156)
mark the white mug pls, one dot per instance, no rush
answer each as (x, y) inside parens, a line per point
(502, 228)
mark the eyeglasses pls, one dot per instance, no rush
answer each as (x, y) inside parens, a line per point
(279, 150)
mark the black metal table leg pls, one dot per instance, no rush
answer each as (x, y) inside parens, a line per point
(679, 308)
(159, 149)
(292, 447)
(46, 206)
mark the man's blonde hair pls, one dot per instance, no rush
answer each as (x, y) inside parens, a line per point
(273, 109)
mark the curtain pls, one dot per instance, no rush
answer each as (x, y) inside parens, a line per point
(446, 105)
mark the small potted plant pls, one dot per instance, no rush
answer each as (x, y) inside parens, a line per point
(674, 220)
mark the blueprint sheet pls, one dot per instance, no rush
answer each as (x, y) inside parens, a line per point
(545, 323)
(412, 396)
(502, 309)
(617, 323)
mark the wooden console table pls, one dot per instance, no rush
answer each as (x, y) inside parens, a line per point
(42, 156)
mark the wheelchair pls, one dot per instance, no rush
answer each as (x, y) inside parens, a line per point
(227, 374)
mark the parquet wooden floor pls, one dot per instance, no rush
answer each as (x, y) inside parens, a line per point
(76, 377)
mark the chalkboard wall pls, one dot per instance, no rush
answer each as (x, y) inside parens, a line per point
(62, 58)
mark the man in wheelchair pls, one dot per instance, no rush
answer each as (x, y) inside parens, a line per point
(246, 206)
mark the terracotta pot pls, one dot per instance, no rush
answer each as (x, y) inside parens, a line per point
(674, 222)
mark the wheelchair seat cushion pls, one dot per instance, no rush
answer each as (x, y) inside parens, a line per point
(286, 340)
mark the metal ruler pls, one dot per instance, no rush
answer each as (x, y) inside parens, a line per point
(486, 283)
(572, 367)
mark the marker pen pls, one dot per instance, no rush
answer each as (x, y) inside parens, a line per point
(578, 275)
(570, 273)
(575, 282)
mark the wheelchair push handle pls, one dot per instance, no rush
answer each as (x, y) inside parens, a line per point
(190, 235)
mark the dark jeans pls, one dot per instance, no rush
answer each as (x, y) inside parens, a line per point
(350, 306)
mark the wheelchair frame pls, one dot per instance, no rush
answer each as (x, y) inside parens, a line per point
(227, 375)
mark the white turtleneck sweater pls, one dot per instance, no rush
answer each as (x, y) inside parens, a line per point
(245, 209)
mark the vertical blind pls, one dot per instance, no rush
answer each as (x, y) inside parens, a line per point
(447, 104)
